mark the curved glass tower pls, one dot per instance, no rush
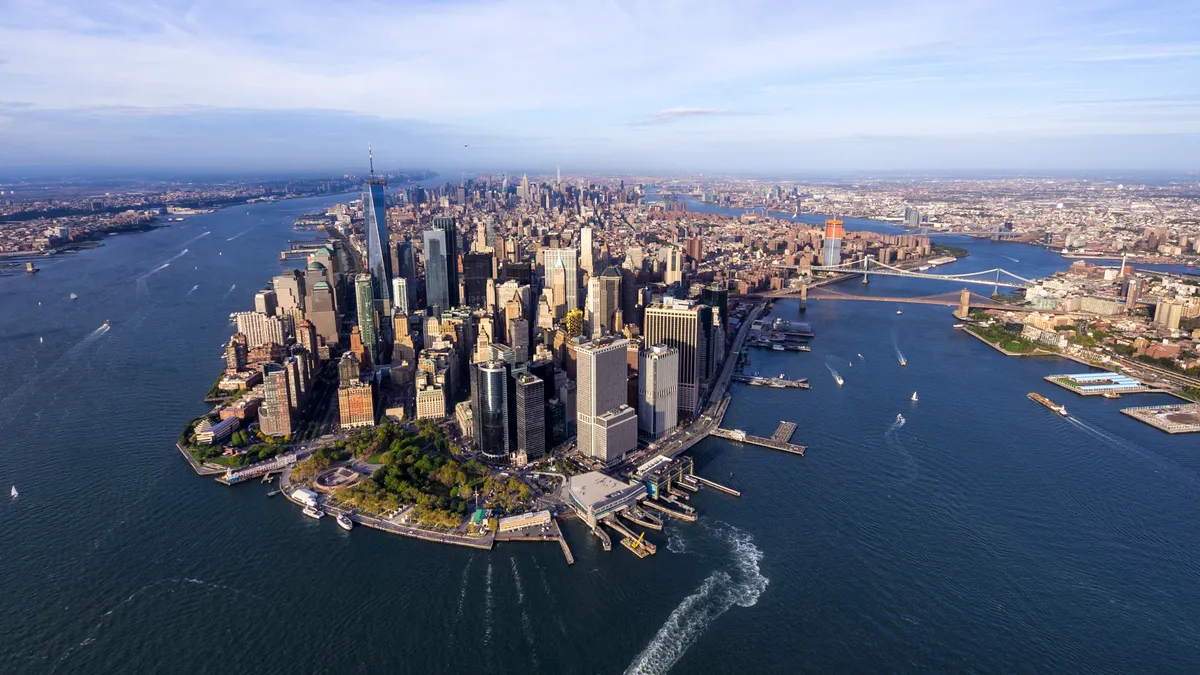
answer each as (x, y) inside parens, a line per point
(379, 259)
(489, 403)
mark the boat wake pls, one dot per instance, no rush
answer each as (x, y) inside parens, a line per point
(526, 624)
(899, 354)
(229, 292)
(191, 291)
(1012, 259)
(675, 542)
(199, 236)
(891, 438)
(836, 377)
(1160, 462)
(239, 234)
(740, 583)
(488, 609)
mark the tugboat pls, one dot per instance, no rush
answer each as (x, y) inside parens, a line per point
(344, 522)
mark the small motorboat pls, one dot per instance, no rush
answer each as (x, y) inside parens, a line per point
(900, 419)
(313, 512)
(899, 311)
(344, 522)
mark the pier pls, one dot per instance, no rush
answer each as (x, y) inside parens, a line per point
(604, 540)
(681, 515)
(638, 517)
(255, 470)
(629, 534)
(776, 382)
(716, 486)
(780, 440)
(1173, 419)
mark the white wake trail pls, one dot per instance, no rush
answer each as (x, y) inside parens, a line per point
(740, 583)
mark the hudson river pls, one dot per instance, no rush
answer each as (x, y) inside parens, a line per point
(986, 534)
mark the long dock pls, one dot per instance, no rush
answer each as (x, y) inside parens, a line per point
(682, 515)
(604, 540)
(200, 469)
(778, 441)
(646, 520)
(716, 486)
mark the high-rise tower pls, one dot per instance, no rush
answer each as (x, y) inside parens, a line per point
(607, 426)
(379, 258)
(658, 390)
(364, 288)
(446, 225)
(437, 291)
(831, 253)
(489, 405)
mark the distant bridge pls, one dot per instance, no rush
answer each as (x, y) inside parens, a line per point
(942, 299)
(869, 265)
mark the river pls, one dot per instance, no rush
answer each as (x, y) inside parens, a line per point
(985, 534)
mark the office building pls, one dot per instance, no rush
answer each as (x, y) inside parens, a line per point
(445, 224)
(531, 416)
(260, 329)
(289, 291)
(489, 405)
(607, 427)
(587, 257)
(400, 295)
(831, 252)
(379, 259)
(658, 390)
(716, 295)
(264, 302)
(236, 353)
(437, 273)
(322, 312)
(406, 268)
(603, 302)
(566, 260)
(275, 413)
(349, 369)
(477, 271)
(356, 405)
(673, 272)
(364, 289)
(686, 328)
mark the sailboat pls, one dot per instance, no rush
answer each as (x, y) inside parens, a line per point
(41, 340)
(74, 297)
(914, 397)
(14, 492)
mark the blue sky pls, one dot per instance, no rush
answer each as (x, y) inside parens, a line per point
(626, 85)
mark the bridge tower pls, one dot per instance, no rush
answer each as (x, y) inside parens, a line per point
(804, 295)
(866, 266)
(964, 305)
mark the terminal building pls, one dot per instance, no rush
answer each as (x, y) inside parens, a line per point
(658, 474)
(595, 495)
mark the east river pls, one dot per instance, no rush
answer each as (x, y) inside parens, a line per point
(985, 534)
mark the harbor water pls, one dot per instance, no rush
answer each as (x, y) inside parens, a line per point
(984, 534)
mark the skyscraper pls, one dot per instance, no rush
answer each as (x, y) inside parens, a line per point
(446, 225)
(477, 269)
(406, 268)
(356, 406)
(275, 413)
(686, 328)
(489, 404)
(568, 259)
(587, 257)
(607, 427)
(673, 273)
(604, 301)
(531, 416)
(716, 295)
(831, 253)
(400, 295)
(364, 288)
(379, 259)
(658, 390)
(437, 290)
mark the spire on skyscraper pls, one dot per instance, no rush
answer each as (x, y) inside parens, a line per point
(371, 159)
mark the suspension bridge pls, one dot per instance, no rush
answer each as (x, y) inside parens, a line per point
(995, 277)
(954, 299)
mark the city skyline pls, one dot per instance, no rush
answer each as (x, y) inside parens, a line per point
(765, 86)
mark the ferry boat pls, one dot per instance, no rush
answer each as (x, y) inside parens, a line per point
(344, 522)
(313, 512)
(958, 325)
(1061, 410)
(777, 348)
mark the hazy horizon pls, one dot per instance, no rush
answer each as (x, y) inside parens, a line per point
(762, 86)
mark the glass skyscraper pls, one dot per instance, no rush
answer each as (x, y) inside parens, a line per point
(450, 234)
(379, 257)
(437, 291)
(489, 404)
(364, 287)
